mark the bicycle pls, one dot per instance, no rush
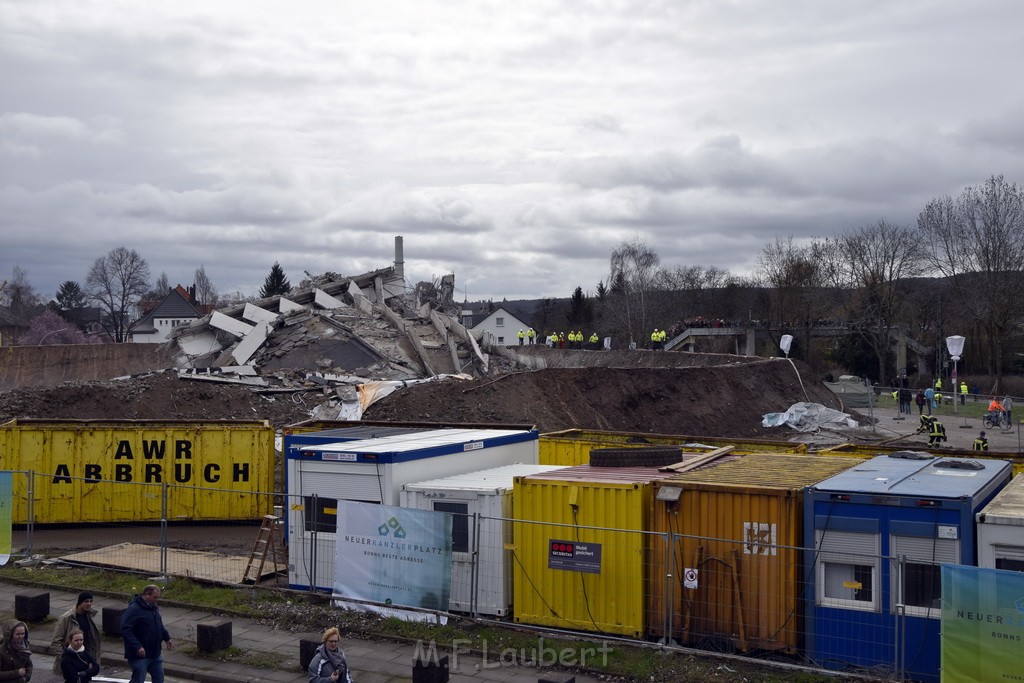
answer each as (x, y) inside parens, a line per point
(999, 419)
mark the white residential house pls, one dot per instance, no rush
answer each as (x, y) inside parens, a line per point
(177, 308)
(502, 325)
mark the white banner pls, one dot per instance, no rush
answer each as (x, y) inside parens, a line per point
(392, 555)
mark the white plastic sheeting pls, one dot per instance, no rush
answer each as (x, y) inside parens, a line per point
(374, 391)
(809, 417)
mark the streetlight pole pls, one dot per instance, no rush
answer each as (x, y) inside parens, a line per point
(40, 342)
(955, 345)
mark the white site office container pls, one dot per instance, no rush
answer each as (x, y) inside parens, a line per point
(373, 471)
(480, 502)
(1001, 529)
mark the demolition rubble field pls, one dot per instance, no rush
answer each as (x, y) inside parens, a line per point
(726, 400)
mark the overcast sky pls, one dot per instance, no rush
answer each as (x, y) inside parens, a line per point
(515, 144)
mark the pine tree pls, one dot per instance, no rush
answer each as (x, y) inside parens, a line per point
(70, 296)
(580, 308)
(275, 283)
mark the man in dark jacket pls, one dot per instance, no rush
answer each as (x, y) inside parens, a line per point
(143, 631)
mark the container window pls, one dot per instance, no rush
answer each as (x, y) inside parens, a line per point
(919, 588)
(460, 524)
(1010, 564)
(848, 565)
(499, 322)
(1009, 557)
(323, 518)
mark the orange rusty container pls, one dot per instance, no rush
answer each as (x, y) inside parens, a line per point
(735, 571)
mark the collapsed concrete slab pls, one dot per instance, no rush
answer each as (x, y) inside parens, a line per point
(351, 329)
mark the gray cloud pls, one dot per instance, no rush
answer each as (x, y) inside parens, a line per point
(514, 145)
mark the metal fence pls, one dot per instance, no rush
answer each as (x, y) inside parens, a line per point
(824, 607)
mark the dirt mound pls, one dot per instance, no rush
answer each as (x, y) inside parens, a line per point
(160, 396)
(727, 400)
(723, 400)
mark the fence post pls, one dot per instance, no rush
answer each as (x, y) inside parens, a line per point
(30, 513)
(474, 582)
(313, 538)
(900, 635)
(163, 529)
(669, 586)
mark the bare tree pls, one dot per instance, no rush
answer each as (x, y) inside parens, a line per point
(869, 267)
(21, 297)
(794, 281)
(634, 274)
(205, 291)
(977, 241)
(694, 289)
(162, 287)
(117, 281)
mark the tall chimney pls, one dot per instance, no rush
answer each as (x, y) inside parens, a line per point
(399, 258)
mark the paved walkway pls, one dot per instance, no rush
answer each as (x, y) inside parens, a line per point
(371, 662)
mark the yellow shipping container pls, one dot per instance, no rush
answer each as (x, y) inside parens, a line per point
(736, 568)
(576, 576)
(114, 471)
(572, 447)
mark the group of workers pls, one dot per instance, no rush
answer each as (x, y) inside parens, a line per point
(936, 432)
(574, 340)
(529, 336)
(934, 428)
(658, 339)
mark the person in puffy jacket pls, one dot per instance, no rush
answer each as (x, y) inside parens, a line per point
(142, 629)
(15, 654)
(329, 664)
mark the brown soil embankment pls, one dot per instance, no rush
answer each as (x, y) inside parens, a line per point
(40, 366)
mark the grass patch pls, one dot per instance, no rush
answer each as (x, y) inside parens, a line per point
(292, 611)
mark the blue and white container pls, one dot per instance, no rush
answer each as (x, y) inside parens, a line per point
(373, 471)
(876, 536)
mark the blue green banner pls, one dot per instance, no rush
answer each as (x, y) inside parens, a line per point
(393, 556)
(982, 624)
(6, 503)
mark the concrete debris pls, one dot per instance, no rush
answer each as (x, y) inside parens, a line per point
(352, 331)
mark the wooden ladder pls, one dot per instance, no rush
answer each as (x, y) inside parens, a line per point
(265, 544)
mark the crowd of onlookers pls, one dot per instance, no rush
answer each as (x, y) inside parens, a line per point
(702, 322)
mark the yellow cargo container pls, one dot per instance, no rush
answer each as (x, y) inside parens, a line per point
(580, 552)
(572, 447)
(114, 471)
(736, 529)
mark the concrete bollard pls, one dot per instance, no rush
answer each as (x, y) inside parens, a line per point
(112, 621)
(307, 648)
(32, 607)
(213, 634)
(431, 670)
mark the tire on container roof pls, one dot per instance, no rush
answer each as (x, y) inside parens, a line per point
(653, 456)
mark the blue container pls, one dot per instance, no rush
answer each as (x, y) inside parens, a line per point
(875, 538)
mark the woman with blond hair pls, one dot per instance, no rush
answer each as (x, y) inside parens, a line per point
(329, 664)
(77, 664)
